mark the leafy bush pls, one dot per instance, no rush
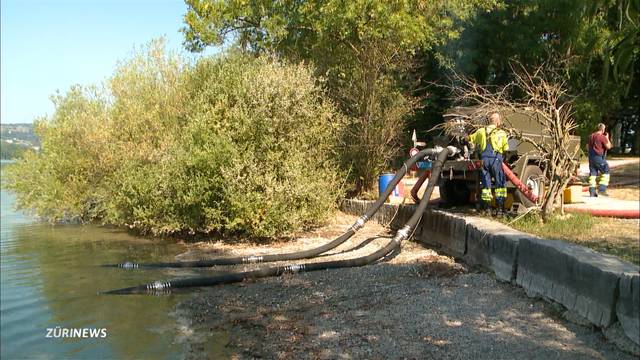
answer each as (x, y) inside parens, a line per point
(230, 145)
(373, 137)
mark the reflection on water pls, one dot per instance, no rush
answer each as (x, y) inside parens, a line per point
(50, 278)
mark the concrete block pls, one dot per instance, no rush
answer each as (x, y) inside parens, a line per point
(379, 216)
(394, 215)
(428, 235)
(351, 206)
(404, 214)
(479, 231)
(360, 207)
(494, 246)
(581, 279)
(385, 214)
(628, 305)
(444, 231)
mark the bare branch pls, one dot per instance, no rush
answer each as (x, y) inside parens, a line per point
(545, 101)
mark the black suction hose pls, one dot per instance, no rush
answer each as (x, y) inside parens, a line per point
(402, 234)
(305, 254)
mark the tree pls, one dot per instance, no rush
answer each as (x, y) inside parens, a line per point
(595, 40)
(231, 145)
(621, 53)
(363, 47)
(620, 49)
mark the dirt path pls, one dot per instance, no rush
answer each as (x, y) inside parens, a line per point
(613, 163)
(417, 304)
(624, 186)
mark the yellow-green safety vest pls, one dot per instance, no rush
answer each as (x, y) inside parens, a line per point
(497, 137)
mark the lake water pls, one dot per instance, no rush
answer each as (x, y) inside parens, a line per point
(50, 279)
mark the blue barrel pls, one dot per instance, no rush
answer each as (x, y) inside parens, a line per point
(383, 182)
(424, 165)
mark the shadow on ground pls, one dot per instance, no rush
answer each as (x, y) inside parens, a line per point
(388, 311)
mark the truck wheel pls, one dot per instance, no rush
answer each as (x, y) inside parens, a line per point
(454, 192)
(532, 178)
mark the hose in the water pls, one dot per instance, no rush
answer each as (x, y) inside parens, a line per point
(305, 254)
(402, 234)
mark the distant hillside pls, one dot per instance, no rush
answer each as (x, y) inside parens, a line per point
(23, 132)
(16, 138)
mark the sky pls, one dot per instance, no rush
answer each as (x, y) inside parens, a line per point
(49, 45)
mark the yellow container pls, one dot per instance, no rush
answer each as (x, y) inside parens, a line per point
(508, 203)
(573, 194)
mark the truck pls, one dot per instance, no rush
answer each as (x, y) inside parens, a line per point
(460, 180)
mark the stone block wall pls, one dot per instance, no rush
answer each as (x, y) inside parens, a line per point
(599, 287)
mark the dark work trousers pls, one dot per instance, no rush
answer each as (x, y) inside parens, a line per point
(492, 168)
(598, 173)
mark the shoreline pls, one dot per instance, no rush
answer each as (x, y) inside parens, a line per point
(415, 304)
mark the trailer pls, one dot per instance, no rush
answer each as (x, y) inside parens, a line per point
(460, 180)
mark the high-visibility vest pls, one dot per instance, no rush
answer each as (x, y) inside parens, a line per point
(497, 137)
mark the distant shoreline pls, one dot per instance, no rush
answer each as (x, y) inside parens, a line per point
(16, 139)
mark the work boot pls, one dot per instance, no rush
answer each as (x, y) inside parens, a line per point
(500, 207)
(603, 190)
(485, 209)
(592, 192)
(477, 209)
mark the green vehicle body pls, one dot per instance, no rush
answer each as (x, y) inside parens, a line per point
(460, 180)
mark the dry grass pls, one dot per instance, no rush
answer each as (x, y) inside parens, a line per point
(438, 266)
(625, 193)
(619, 237)
(302, 240)
(625, 182)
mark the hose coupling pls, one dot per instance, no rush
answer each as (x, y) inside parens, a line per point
(402, 234)
(159, 285)
(452, 150)
(359, 224)
(294, 268)
(252, 259)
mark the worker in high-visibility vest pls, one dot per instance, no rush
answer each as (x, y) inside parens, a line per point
(492, 143)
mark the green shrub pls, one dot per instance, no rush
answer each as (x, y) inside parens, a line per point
(232, 145)
(10, 151)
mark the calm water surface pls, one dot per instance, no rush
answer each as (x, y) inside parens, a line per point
(50, 278)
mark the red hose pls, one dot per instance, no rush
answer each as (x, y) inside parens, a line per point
(418, 184)
(522, 187)
(618, 213)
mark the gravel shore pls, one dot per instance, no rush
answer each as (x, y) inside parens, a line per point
(415, 304)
